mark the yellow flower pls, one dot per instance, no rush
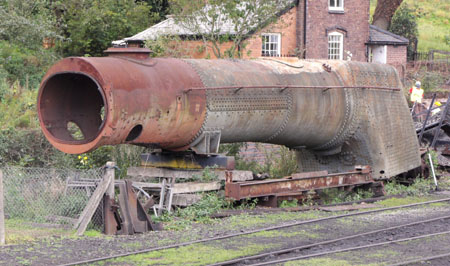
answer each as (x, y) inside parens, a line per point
(85, 158)
(79, 156)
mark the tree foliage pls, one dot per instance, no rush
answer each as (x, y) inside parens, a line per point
(23, 27)
(213, 20)
(27, 23)
(91, 25)
(404, 23)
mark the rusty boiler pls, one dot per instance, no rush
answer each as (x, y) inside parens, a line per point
(335, 114)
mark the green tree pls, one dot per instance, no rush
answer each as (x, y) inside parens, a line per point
(91, 25)
(218, 21)
(24, 25)
(404, 23)
(159, 7)
(27, 23)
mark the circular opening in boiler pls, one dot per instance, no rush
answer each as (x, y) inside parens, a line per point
(72, 107)
(134, 133)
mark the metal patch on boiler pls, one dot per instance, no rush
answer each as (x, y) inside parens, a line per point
(247, 102)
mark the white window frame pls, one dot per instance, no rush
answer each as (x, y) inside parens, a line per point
(271, 52)
(332, 55)
(335, 6)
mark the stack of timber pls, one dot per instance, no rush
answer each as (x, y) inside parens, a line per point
(173, 193)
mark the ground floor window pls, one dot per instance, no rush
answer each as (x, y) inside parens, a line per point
(335, 45)
(271, 44)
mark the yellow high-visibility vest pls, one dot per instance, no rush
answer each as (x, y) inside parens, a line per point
(416, 95)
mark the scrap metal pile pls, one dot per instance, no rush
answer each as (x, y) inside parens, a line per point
(433, 129)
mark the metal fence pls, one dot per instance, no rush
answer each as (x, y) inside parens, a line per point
(44, 195)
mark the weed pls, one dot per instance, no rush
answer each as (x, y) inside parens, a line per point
(198, 212)
(207, 175)
(336, 195)
(432, 80)
(248, 203)
(93, 233)
(392, 202)
(289, 203)
(420, 187)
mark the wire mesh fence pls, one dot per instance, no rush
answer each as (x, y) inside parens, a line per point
(43, 195)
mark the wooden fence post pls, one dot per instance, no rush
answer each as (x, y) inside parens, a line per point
(103, 187)
(2, 212)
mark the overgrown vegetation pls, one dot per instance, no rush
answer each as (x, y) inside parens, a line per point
(433, 20)
(279, 162)
(431, 81)
(336, 195)
(404, 23)
(201, 211)
(420, 187)
(33, 36)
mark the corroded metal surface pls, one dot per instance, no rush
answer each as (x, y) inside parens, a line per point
(115, 100)
(350, 113)
(297, 185)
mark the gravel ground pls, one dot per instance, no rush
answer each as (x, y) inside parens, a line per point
(56, 251)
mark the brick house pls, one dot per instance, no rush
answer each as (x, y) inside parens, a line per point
(310, 29)
(387, 48)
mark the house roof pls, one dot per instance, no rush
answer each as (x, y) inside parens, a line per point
(171, 27)
(380, 36)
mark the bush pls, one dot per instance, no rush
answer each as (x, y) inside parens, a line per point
(92, 25)
(404, 23)
(432, 80)
(420, 187)
(24, 65)
(29, 148)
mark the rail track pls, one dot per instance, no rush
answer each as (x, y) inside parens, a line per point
(273, 262)
(248, 260)
(276, 228)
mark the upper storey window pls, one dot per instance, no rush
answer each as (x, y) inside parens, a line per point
(336, 5)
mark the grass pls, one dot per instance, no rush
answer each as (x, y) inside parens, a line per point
(198, 254)
(279, 233)
(433, 23)
(18, 231)
(251, 221)
(393, 202)
(373, 256)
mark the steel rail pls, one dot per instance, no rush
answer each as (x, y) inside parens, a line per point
(422, 259)
(350, 249)
(282, 251)
(252, 232)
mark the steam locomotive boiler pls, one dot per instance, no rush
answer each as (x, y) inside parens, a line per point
(335, 114)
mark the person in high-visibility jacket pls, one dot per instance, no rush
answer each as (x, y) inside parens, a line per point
(416, 93)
